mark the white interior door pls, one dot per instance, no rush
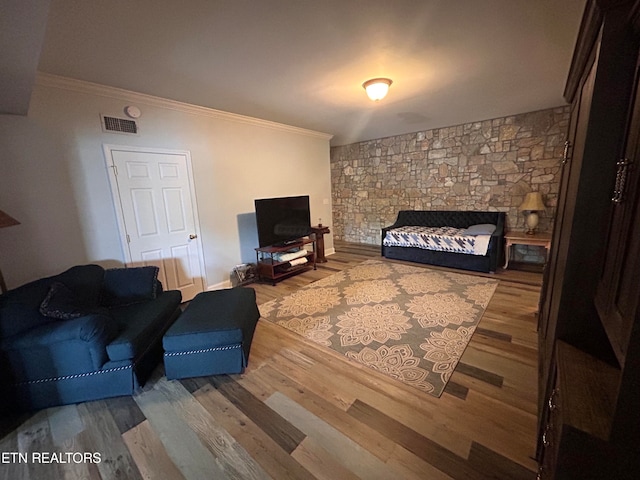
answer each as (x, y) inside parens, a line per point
(155, 201)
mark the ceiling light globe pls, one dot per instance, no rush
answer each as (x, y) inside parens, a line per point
(377, 88)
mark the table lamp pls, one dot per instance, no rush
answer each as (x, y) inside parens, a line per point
(531, 206)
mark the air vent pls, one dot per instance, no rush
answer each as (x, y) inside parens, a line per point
(119, 125)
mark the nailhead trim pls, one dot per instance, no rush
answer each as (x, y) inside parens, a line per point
(71, 377)
(213, 349)
(88, 374)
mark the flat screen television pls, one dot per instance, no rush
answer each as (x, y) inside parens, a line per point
(282, 220)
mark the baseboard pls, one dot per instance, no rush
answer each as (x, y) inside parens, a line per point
(220, 286)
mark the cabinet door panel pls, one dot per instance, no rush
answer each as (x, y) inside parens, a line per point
(618, 288)
(560, 244)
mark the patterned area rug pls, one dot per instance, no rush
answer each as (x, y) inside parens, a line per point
(410, 323)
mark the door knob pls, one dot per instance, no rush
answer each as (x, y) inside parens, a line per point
(192, 236)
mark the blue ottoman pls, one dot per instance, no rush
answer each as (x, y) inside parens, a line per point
(213, 335)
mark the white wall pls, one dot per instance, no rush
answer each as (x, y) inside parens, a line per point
(53, 177)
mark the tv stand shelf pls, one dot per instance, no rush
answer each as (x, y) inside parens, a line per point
(274, 270)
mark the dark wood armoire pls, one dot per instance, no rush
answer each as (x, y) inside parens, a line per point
(589, 324)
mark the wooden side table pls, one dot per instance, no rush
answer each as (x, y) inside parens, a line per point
(540, 239)
(319, 231)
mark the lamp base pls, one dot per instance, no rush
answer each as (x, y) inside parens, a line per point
(532, 223)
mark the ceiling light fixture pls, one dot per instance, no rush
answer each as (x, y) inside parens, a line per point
(377, 88)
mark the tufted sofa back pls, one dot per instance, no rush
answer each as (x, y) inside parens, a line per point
(449, 218)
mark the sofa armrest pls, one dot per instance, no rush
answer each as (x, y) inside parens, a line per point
(500, 225)
(59, 348)
(383, 235)
(496, 244)
(398, 223)
(92, 328)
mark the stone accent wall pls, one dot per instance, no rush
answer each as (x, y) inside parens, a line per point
(487, 165)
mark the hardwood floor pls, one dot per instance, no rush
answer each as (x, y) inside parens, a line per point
(301, 411)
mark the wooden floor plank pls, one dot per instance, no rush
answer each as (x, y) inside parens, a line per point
(65, 423)
(34, 438)
(430, 416)
(412, 467)
(436, 455)
(193, 384)
(368, 438)
(344, 450)
(480, 374)
(273, 459)
(231, 457)
(321, 463)
(182, 444)
(456, 389)
(125, 413)
(482, 458)
(81, 471)
(67, 432)
(149, 453)
(312, 377)
(14, 466)
(103, 437)
(507, 393)
(277, 427)
(503, 428)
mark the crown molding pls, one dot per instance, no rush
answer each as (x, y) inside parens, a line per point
(81, 86)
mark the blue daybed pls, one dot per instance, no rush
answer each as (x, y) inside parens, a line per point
(488, 262)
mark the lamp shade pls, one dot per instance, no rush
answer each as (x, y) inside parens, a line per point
(7, 220)
(377, 88)
(532, 202)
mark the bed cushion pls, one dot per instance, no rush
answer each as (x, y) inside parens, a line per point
(480, 229)
(446, 239)
(139, 322)
(126, 286)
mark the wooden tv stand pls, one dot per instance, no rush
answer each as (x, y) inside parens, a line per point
(274, 270)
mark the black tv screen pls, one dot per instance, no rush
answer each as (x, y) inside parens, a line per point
(282, 220)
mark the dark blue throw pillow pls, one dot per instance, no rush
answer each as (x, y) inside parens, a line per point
(85, 281)
(62, 303)
(126, 286)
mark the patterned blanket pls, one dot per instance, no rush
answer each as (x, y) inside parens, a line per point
(447, 239)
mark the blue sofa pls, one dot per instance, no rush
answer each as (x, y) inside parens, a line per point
(488, 263)
(85, 334)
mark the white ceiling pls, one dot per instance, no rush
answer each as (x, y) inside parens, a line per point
(302, 62)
